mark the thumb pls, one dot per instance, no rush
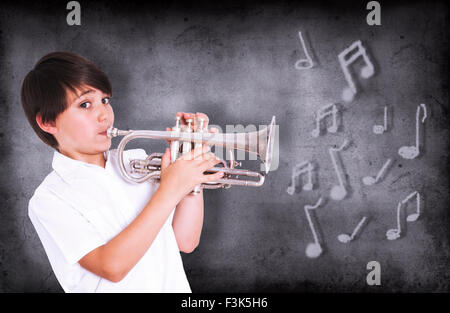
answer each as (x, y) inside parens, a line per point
(165, 159)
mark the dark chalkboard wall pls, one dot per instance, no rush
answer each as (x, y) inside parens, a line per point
(235, 61)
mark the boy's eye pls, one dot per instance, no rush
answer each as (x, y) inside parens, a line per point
(106, 100)
(85, 105)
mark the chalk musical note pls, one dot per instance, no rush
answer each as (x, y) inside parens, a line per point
(414, 216)
(370, 180)
(327, 110)
(345, 238)
(338, 192)
(366, 72)
(314, 249)
(379, 129)
(395, 233)
(304, 167)
(411, 152)
(299, 64)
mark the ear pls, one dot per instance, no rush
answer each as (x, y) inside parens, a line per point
(49, 127)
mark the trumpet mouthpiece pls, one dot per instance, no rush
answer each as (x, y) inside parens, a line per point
(112, 132)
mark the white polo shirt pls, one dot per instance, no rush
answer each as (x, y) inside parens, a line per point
(80, 206)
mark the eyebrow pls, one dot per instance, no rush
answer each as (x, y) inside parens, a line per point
(85, 92)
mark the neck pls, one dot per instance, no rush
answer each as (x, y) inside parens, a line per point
(95, 159)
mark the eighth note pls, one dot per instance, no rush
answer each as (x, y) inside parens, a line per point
(299, 64)
(414, 216)
(314, 249)
(411, 152)
(344, 238)
(379, 129)
(338, 192)
(327, 110)
(395, 233)
(304, 167)
(370, 180)
(366, 72)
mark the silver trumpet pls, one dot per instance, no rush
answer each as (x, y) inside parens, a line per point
(183, 139)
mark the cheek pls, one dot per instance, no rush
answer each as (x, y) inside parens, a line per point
(79, 127)
(111, 112)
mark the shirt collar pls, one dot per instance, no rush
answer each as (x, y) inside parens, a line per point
(67, 167)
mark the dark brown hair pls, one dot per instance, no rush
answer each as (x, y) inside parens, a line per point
(44, 89)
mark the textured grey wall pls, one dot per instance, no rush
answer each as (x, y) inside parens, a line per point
(236, 62)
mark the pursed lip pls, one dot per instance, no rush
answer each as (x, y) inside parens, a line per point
(104, 132)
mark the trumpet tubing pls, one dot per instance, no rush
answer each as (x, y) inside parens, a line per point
(145, 167)
(183, 140)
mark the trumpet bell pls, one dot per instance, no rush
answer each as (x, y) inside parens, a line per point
(266, 151)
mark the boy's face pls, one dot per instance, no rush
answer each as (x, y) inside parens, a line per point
(81, 128)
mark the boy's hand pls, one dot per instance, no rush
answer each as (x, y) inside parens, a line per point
(187, 171)
(185, 116)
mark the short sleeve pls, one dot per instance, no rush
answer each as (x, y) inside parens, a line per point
(57, 221)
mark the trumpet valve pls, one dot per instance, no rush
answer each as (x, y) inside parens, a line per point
(175, 144)
(199, 129)
(189, 122)
(177, 124)
(186, 145)
(201, 126)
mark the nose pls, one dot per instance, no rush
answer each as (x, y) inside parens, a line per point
(102, 113)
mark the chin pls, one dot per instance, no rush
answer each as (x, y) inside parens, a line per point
(104, 146)
(107, 146)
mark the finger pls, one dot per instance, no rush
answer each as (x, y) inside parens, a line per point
(195, 152)
(200, 151)
(165, 159)
(207, 164)
(182, 120)
(187, 116)
(213, 177)
(214, 130)
(199, 115)
(205, 156)
(204, 152)
(202, 115)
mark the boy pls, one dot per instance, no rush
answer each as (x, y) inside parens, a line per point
(100, 233)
